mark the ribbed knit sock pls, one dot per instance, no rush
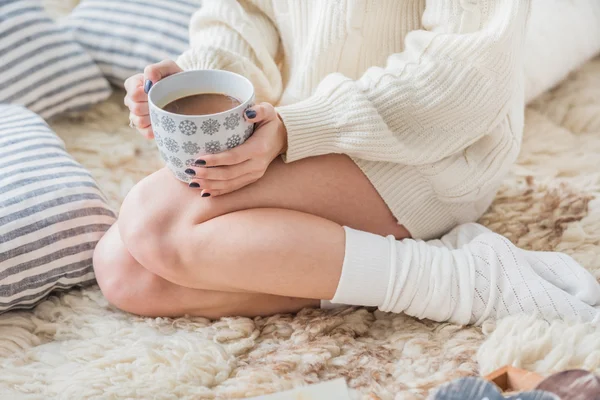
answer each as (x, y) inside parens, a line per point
(466, 277)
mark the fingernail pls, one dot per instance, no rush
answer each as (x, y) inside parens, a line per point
(250, 114)
(206, 195)
(194, 185)
(147, 86)
(199, 163)
(190, 172)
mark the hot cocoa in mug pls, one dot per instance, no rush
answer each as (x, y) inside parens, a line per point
(202, 104)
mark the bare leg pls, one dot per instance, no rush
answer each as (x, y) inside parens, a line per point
(165, 226)
(154, 296)
(331, 187)
(273, 251)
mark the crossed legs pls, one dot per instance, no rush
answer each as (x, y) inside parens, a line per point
(287, 241)
(274, 246)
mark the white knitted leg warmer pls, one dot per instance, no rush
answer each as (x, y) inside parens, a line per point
(468, 276)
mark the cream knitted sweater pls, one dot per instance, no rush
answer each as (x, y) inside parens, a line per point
(426, 96)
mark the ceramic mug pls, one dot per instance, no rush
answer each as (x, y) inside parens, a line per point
(182, 139)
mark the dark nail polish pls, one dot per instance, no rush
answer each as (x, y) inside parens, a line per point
(206, 195)
(190, 172)
(147, 86)
(199, 163)
(250, 114)
(194, 185)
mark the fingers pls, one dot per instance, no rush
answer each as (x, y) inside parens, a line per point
(137, 98)
(137, 102)
(158, 71)
(253, 148)
(262, 112)
(140, 121)
(237, 155)
(134, 82)
(135, 90)
(223, 173)
(217, 188)
(138, 95)
(137, 107)
(146, 132)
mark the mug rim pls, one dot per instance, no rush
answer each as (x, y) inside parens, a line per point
(200, 71)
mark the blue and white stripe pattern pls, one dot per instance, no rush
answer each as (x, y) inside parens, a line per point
(52, 214)
(123, 36)
(43, 68)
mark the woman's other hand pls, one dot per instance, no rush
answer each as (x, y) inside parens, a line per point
(138, 86)
(217, 174)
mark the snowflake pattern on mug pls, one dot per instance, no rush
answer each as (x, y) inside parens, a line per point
(190, 162)
(212, 147)
(190, 148)
(163, 156)
(158, 139)
(210, 126)
(233, 141)
(154, 119)
(232, 121)
(249, 131)
(187, 127)
(171, 145)
(176, 162)
(167, 124)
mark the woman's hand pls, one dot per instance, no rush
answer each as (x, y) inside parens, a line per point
(217, 174)
(138, 87)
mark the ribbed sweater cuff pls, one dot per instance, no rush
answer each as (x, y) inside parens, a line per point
(311, 128)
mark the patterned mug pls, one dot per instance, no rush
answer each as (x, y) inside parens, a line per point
(181, 139)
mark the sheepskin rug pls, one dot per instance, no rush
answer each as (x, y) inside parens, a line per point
(76, 346)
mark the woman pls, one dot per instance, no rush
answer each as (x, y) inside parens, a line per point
(396, 121)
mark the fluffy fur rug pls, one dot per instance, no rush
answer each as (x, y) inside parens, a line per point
(75, 345)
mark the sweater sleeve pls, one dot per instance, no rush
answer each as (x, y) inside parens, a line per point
(237, 36)
(454, 81)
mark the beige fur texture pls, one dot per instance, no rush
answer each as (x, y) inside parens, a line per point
(75, 345)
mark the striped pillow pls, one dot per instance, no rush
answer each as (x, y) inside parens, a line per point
(123, 36)
(43, 68)
(52, 214)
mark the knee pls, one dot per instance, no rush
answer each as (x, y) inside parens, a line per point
(122, 280)
(157, 220)
(146, 223)
(111, 266)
